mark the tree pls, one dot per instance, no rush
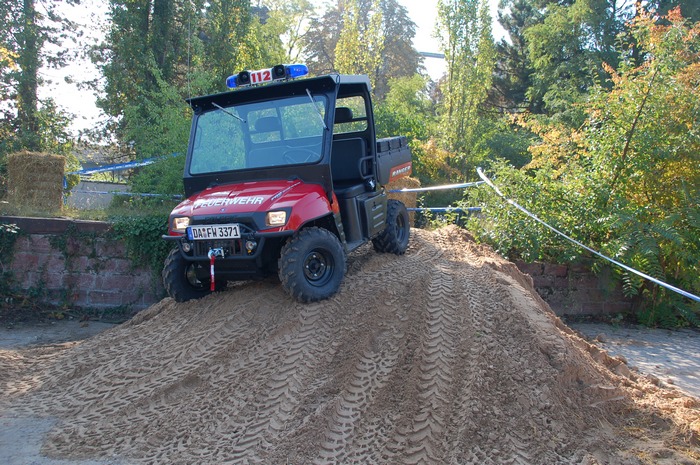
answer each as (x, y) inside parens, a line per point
(627, 181)
(361, 43)
(379, 25)
(400, 58)
(690, 9)
(224, 26)
(158, 52)
(320, 41)
(25, 28)
(406, 110)
(291, 19)
(261, 46)
(567, 51)
(466, 40)
(512, 76)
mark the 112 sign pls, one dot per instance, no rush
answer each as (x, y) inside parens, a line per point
(263, 75)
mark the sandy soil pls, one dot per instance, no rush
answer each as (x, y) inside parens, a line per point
(444, 355)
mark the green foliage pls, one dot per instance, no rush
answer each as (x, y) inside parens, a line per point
(567, 50)
(512, 77)
(124, 205)
(8, 236)
(262, 45)
(289, 19)
(162, 177)
(158, 52)
(361, 43)
(225, 24)
(502, 139)
(158, 123)
(406, 110)
(382, 26)
(626, 183)
(142, 236)
(26, 28)
(514, 235)
(464, 28)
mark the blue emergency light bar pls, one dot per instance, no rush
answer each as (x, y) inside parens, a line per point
(261, 76)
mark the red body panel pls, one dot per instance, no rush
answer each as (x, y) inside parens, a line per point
(306, 201)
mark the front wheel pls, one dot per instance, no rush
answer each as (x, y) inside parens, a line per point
(312, 265)
(394, 238)
(180, 280)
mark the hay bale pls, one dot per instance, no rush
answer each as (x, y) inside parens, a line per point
(35, 181)
(408, 198)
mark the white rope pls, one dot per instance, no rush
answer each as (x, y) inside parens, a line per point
(446, 209)
(437, 188)
(632, 270)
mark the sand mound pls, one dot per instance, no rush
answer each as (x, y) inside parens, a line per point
(444, 355)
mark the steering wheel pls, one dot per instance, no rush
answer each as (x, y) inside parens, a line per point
(296, 156)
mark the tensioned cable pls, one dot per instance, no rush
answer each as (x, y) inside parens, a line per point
(446, 209)
(632, 270)
(437, 188)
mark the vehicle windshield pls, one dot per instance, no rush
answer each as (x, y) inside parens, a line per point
(273, 133)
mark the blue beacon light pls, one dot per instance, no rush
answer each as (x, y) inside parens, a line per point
(294, 71)
(231, 82)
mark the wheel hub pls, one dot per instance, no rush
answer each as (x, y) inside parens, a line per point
(315, 266)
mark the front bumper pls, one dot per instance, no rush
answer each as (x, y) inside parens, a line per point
(249, 246)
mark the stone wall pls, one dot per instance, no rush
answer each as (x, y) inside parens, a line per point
(575, 290)
(74, 263)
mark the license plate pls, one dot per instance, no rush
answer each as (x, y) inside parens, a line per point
(213, 231)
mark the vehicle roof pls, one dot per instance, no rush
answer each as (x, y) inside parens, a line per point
(279, 89)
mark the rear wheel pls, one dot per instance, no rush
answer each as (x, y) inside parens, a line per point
(394, 238)
(180, 279)
(312, 265)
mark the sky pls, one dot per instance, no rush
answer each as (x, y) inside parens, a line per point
(90, 13)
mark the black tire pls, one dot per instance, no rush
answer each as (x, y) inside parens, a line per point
(312, 265)
(397, 232)
(180, 282)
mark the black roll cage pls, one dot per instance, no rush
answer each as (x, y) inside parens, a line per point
(331, 86)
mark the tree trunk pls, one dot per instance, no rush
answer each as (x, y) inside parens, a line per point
(29, 62)
(163, 11)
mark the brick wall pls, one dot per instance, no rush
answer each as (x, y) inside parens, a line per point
(75, 263)
(575, 290)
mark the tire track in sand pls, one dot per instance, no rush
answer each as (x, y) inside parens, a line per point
(355, 431)
(279, 400)
(421, 441)
(341, 443)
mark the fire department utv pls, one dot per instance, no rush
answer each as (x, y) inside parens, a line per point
(284, 176)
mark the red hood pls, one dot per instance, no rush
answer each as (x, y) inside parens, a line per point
(247, 197)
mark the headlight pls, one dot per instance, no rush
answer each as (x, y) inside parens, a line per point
(276, 218)
(180, 223)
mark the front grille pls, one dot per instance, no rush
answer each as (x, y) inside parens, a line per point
(232, 247)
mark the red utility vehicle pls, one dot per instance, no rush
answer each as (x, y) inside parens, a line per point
(284, 177)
